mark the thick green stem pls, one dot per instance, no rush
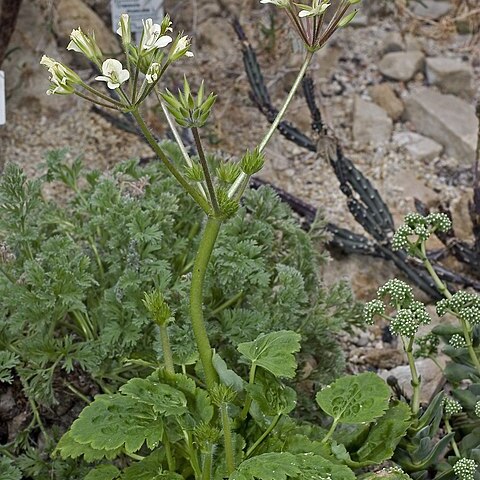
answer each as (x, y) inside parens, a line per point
(168, 452)
(237, 189)
(228, 440)
(265, 434)
(415, 405)
(248, 399)
(205, 249)
(167, 351)
(195, 194)
(207, 464)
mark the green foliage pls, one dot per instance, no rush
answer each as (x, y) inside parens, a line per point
(355, 399)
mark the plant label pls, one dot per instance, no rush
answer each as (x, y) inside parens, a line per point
(138, 10)
(3, 116)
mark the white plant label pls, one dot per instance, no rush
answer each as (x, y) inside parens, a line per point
(3, 116)
(137, 10)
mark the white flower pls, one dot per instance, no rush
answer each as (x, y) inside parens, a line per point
(317, 8)
(63, 78)
(153, 73)
(180, 48)
(82, 43)
(152, 36)
(278, 3)
(124, 29)
(113, 73)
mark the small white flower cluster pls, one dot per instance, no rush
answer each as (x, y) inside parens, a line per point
(477, 409)
(407, 320)
(463, 304)
(417, 229)
(457, 341)
(451, 407)
(399, 292)
(372, 308)
(465, 469)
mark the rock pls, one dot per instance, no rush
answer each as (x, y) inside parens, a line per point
(420, 148)
(412, 43)
(462, 223)
(384, 96)
(221, 40)
(401, 65)
(450, 76)
(393, 42)
(371, 124)
(384, 358)
(70, 14)
(431, 375)
(411, 187)
(433, 9)
(447, 119)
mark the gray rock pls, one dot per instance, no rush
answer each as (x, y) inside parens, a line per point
(431, 375)
(447, 119)
(433, 10)
(371, 124)
(417, 146)
(401, 65)
(384, 96)
(393, 42)
(412, 43)
(450, 75)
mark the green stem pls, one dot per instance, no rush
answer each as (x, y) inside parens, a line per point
(238, 187)
(202, 202)
(167, 351)
(248, 399)
(9, 277)
(102, 96)
(228, 440)
(192, 454)
(265, 434)
(37, 419)
(330, 432)
(168, 452)
(101, 104)
(415, 405)
(228, 303)
(448, 427)
(206, 170)
(77, 392)
(205, 249)
(208, 464)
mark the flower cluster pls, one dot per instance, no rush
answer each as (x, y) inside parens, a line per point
(148, 58)
(477, 409)
(463, 304)
(457, 341)
(309, 22)
(465, 469)
(418, 229)
(451, 407)
(372, 308)
(407, 320)
(427, 345)
(400, 293)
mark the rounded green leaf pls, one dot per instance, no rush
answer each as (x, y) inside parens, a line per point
(355, 398)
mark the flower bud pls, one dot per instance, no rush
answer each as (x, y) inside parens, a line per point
(179, 48)
(252, 162)
(83, 43)
(63, 78)
(124, 29)
(157, 307)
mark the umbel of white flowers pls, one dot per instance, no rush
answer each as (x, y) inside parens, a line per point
(148, 58)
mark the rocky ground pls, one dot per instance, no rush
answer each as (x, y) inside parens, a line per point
(398, 87)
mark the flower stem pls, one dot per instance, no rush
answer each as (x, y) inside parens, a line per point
(227, 437)
(205, 249)
(206, 171)
(415, 405)
(237, 189)
(448, 427)
(195, 194)
(167, 351)
(330, 432)
(248, 399)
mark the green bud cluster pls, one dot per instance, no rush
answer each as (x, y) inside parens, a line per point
(427, 345)
(252, 162)
(207, 434)
(195, 172)
(372, 308)
(228, 206)
(463, 304)
(457, 341)
(407, 320)
(417, 229)
(465, 469)
(451, 407)
(228, 172)
(221, 394)
(157, 307)
(189, 111)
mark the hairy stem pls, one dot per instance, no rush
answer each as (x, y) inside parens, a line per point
(167, 351)
(195, 194)
(204, 252)
(228, 440)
